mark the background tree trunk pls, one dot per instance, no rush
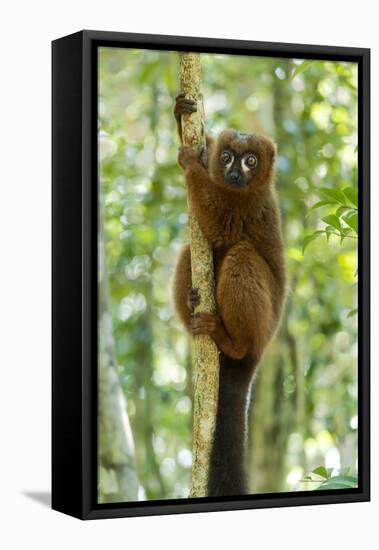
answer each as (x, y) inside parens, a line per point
(206, 353)
(116, 457)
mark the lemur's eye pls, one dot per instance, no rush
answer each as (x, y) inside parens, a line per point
(225, 157)
(251, 161)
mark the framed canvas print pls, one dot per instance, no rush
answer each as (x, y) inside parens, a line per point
(210, 274)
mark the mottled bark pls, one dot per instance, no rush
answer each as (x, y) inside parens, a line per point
(206, 353)
(117, 478)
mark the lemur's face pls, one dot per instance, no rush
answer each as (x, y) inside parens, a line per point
(242, 161)
(238, 169)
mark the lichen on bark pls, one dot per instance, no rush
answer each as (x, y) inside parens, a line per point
(206, 353)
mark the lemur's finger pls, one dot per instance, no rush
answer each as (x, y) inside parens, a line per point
(186, 100)
(183, 101)
(182, 104)
(186, 109)
(205, 316)
(182, 97)
(194, 291)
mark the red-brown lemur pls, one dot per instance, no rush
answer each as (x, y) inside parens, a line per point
(234, 201)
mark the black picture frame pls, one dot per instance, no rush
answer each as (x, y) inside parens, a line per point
(74, 273)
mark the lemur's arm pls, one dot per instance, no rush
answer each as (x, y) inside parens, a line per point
(201, 193)
(202, 196)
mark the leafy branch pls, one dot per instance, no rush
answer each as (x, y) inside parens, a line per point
(343, 222)
(325, 480)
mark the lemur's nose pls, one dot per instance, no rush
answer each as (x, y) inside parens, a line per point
(235, 176)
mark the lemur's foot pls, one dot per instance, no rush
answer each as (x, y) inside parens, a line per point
(193, 299)
(206, 323)
(212, 325)
(184, 106)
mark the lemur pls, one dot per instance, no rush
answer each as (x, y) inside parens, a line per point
(234, 201)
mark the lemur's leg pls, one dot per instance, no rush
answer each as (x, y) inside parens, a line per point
(245, 320)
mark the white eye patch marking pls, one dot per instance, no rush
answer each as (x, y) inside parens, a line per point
(228, 164)
(245, 168)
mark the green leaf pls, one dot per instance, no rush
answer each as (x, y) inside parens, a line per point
(148, 71)
(352, 195)
(352, 312)
(335, 194)
(329, 230)
(348, 479)
(319, 204)
(332, 485)
(343, 209)
(321, 471)
(343, 480)
(308, 239)
(352, 220)
(301, 68)
(340, 482)
(332, 220)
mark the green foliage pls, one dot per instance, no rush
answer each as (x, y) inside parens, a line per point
(343, 222)
(303, 66)
(305, 397)
(325, 479)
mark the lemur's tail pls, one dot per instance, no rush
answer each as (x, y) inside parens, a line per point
(227, 467)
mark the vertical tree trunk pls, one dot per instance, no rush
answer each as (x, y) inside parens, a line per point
(206, 353)
(116, 462)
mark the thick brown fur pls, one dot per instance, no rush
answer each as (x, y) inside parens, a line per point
(243, 225)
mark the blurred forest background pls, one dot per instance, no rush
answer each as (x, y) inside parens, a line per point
(304, 401)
